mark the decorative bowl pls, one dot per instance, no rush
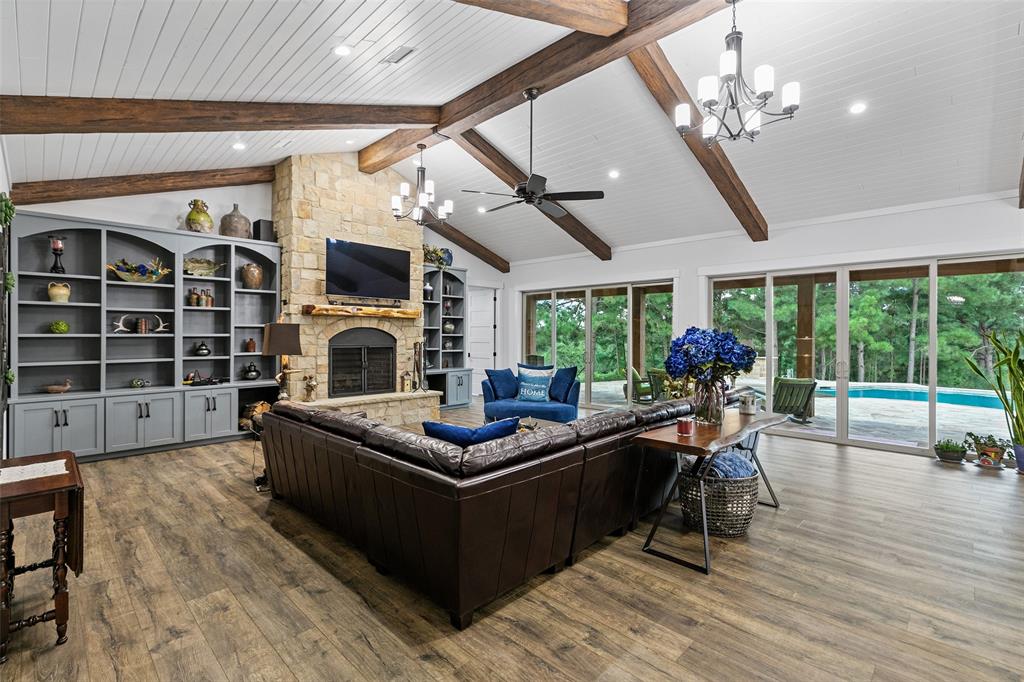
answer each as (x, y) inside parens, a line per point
(148, 273)
(201, 267)
(59, 388)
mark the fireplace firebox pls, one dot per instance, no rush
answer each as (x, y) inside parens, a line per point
(362, 361)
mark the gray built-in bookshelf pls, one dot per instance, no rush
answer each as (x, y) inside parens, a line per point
(102, 363)
(444, 335)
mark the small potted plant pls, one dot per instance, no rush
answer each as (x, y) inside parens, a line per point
(949, 450)
(990, 450)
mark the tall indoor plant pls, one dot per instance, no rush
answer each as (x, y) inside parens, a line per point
(706, 358)
(1008, 383)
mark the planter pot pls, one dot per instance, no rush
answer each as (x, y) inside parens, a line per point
(949, 456)
(1018, 451)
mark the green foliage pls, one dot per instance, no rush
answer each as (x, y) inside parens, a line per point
(1007, 380)
(433, 255)
(6, 210)
(60, 327)
(979, 443)
(950, 445)
(9, 376)
(9, 282)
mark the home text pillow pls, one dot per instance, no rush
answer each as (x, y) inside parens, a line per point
(464, 436)
(534, 384)
(504, 383)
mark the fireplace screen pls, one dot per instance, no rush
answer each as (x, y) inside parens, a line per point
(361, 361)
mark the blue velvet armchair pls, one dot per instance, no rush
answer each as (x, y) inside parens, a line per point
(552, 410)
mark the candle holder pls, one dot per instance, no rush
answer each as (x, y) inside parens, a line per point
(57, 247)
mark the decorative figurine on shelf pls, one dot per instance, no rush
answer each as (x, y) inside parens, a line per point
(251, 373)
(142, 326)
(138, 382)
(198, 219)
(201, 298)
(57, 247)
(311, 385)
(448, 327)
(59, 327)
(59, 292)
(250, 346)
(59, 388)
(119, 325)
(428, 292)
(448, 344)
(201, 349)
(252, 276)
(406, 379)
(193, 297)
(235, 224)
(147, 273)
(161, 326)
(201, 267)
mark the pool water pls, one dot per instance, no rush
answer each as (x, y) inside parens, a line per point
(973, 399)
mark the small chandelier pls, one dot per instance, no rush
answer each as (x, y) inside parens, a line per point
(419, 206)
(727, 96)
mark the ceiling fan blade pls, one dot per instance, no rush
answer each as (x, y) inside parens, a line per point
(573, 196)
(535, 184)
(551, 208)
(498, 208)
(497, 194)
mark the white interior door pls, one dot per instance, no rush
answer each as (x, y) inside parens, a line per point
(482, 330)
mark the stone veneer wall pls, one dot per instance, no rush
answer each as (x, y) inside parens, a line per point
(318, 196)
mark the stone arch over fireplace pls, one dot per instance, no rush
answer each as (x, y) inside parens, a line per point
(361, 361)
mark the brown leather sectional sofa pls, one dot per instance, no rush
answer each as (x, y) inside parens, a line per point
(467, 525)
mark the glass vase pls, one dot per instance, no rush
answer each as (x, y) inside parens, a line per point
(709, 402)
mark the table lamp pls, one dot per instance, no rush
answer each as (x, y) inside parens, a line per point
(280, 338)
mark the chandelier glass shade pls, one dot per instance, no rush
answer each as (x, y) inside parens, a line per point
(730, 108)
(417, 203)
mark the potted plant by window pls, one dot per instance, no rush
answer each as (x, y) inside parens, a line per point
(1008, 383)
(990, 450)
(950, 451)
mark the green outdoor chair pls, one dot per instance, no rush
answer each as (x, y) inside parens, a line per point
(657, 379)
(642, 392)
(794, 397)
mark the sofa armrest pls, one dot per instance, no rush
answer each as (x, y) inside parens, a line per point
(574, 394)
(488, 390)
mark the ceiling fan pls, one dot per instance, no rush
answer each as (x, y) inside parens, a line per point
(532, 192)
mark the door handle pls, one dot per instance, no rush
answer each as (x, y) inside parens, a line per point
(214, 403)
(139, 405)
(147, 409)
(207, 403)
(56, 419)
(65, 417)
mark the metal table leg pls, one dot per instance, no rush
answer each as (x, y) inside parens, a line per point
(699, 469)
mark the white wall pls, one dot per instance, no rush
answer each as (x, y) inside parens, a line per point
(166, 209)
(5, 176)
(987, 225)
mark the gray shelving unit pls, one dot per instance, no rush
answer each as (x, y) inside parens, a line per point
(445, 335)
(102, 363)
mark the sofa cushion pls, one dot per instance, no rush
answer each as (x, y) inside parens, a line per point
(519, 447)
(415, 447)
(551, 410)
(660, 412)
(522, 365)
(504, 382)
(292, 410)
(352, 426)
(562, 383)
(602, 424)
(465, 436)
(534, 384)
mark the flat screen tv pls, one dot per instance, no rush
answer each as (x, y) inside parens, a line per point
(366, 271)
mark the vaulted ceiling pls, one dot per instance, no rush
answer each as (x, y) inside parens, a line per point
(943, 83)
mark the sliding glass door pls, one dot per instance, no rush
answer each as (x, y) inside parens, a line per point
(609, 349)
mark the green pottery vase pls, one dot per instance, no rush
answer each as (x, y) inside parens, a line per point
(198, 220)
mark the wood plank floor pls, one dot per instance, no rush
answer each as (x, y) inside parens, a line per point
(877, 567)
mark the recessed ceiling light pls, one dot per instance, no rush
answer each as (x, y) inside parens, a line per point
(238, 146)
(613, 174)
(481, 209)
(858, 108)
(343, 50)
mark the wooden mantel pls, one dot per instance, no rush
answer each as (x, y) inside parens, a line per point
(361, 311)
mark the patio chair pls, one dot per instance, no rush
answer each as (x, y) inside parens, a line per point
(657, 379)
(535, 360)
(794, 397)
(642, 392)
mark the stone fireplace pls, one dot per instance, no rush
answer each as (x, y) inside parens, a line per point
(361, 362)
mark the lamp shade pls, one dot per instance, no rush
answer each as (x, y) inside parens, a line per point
(280, 338)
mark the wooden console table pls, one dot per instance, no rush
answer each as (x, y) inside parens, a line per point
(61, 493)
(706, 442)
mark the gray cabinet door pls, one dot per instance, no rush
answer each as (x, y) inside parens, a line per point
(458, 388)
(162, 419)
(197, 415)
(223, 415)
(82, 426)
(465, 387)
(34, 428)
(124, 423)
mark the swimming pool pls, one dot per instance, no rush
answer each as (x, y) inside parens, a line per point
(950, 397)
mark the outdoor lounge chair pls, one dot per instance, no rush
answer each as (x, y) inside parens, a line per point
(642, 392)
(794, 397)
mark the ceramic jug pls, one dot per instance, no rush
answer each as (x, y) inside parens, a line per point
(235, 224)
(59, 292)
(198, 220)
(252, 276)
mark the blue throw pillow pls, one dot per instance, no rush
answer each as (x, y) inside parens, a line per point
(534, 384)
(504, 383)
(464, 436)
(562, 383)
(523, 365)
(728, 465)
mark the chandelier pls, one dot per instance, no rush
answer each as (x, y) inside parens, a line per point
(418, 206)
(731, 108)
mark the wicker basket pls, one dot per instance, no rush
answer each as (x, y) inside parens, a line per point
(730, 503)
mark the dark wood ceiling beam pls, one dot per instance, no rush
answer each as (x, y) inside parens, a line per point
(573, 56)
(661, 79)
(600, 17)
(509, 173)
(460, 238)
(46, 191)
(31, 115)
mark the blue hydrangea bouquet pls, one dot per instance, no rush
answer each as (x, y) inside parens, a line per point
(706, 358)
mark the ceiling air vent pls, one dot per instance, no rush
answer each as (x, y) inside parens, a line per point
(397, 55)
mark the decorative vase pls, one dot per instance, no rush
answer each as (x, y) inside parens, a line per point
(59, 292)
(428, 292)
(709, 402)
(235, 224)
(250, 346)
(198, 219)
(448, 327)
(252, 276)
(202, 349)
(448, 344)
(251, 373)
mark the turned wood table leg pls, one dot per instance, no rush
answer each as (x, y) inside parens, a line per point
(10, 560)
(6, 539)
(60, 567)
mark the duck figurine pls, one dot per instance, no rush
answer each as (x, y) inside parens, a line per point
(59, 388)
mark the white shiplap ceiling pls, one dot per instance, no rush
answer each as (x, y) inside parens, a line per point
(943, 81)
